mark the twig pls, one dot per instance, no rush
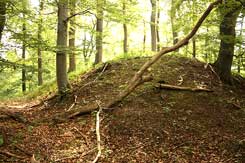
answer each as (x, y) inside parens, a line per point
(212, 69)
(22, 150)
(98, 133)
(12, 154)
(84, 137)
(73, 104)
(103, 70)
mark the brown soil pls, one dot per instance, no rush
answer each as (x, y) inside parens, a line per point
(150, 125)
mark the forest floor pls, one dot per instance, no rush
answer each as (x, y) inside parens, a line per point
(150, 125)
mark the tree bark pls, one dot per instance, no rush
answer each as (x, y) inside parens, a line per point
(99, 32)
(72, 34)
(23, 71)
(239, 56)
(226, 52)
(153, 26)
(61, 65)
(24, 57)
(2, 17)
(194, 47)
(173, 19)
(125, 30)
(144, 36)
(39, 50)
(157, 26)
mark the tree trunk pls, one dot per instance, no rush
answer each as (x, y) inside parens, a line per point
(61, 65)
(125, 30)
(144, 37)
(226, 52)
(99, 32)
(239, 56)
(153, 26)
(157, 26)
(194, 47)
(72, 34)
(24, 6)
(2, 17)
(24, 57)
(173, 19)
(39, 50)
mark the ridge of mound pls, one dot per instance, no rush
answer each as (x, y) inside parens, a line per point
(150, 125)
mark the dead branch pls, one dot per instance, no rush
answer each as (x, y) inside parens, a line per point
(12, 154)
(83, 135)
(136, 80)
(104, 67)
(214, 72)
(173, 87)
(98, 133)
(73, 104)
(17, 116)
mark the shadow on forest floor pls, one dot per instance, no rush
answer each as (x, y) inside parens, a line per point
(150, 125)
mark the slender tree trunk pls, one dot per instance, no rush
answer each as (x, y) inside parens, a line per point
(144, 37)
(24, 56)
(239, 56)
(39, 50)
(99, 32)
(173, 19)
(125, 30)
(24, 6)
(153, 26)
(206, 48)
(194, 47)
(157, 26)
(61, 65)
(226, 52)
(2, 17)
(72, 34)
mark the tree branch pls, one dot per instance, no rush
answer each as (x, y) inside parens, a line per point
(79, 13)
(135, 80)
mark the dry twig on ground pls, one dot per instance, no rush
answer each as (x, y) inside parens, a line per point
(98, 134)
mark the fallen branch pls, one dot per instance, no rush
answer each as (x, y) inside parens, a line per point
(136, 80)
(17, 116)
(73, 104)
(98, 134)
(104, 67)
(12, 154)
(173, 87)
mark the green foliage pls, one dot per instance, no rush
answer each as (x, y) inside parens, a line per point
(134, 14)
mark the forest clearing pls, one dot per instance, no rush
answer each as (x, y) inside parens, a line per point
(109, 81)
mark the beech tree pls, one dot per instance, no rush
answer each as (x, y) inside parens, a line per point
(39, 38)
(153, 25)
(72, 35)
(230, 12)
(2, 16)
(61, 67)
(125, 28)
(24, 7)
(99, 32)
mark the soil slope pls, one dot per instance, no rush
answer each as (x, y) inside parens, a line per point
(150, 125)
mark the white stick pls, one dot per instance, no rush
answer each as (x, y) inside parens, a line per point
(98, 135)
